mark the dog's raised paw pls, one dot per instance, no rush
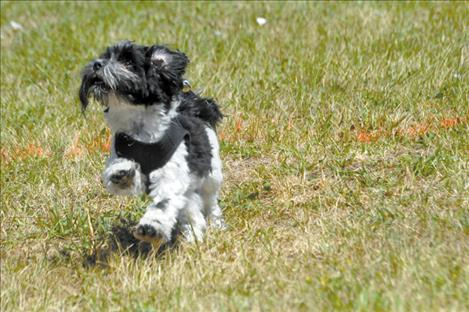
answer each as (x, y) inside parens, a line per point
(123, 176)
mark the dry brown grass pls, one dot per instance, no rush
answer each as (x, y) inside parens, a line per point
(344, 147)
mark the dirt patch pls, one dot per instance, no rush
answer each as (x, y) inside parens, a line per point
(240, 170)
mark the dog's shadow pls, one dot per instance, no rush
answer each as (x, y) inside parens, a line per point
(119, 240)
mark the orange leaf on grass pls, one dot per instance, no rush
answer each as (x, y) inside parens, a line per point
(75, 149)
(102, 144)
(363, 137)
(368, 137)
(32, 150)
(239, 125)
(449, 122)
(418, 130)
(415, 131)
(5, 155)
(20, 153)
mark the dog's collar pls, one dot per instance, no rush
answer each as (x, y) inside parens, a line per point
(186, 86)
(151, 156)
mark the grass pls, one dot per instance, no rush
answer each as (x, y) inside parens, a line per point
(345, 148)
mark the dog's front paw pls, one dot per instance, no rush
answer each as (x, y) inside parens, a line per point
(155, 226)
(146, 232)
(151, 232)
(123, 177)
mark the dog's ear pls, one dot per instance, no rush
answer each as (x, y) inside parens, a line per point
(168, 60)
(164, 71)
(83, 95)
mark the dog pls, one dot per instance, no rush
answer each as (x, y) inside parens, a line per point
(164, 140)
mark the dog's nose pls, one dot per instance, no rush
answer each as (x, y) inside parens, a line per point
(97, 65)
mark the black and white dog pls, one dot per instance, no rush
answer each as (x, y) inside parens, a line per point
(163, 138)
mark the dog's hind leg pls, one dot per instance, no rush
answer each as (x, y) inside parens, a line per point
(212, 184)
(192, 219)
(213, 211)
(210, 191)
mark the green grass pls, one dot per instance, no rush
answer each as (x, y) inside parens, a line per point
(319, 219)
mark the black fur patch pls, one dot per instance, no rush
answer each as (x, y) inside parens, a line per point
(158, 78)
(204, 108)
(164, 78)
(199, 149)
(162, 204)
(152, 156)
(158, 81)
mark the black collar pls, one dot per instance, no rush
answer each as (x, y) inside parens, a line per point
(151, 156)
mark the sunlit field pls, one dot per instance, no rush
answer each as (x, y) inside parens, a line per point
(345, 145)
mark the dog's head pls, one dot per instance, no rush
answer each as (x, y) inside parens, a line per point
(142, 75)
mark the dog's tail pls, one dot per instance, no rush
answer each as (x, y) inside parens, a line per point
(205, 109)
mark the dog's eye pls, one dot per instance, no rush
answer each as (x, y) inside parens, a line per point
(127, 63)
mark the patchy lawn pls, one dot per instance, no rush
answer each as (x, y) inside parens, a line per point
(345, 146)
